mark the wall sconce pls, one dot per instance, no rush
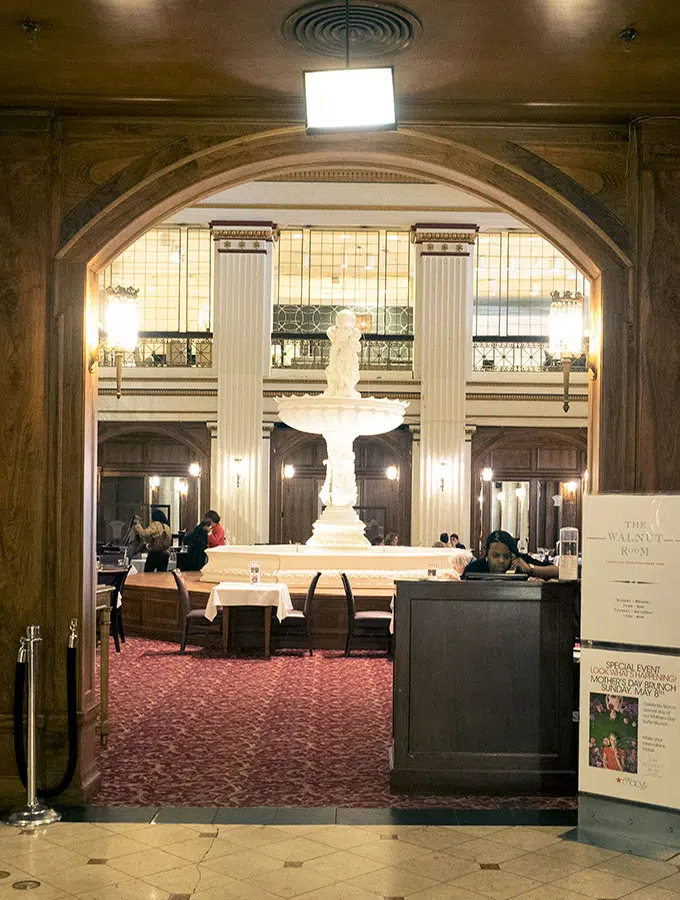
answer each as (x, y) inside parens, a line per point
(237, 469)
(195, 472)
(392, 473)
(365, 322)
(154, 482)
(566, 333)
(288, 471)
(443, 469)
(121, 329)
(487, 474)
(570, 487)
(181, 486)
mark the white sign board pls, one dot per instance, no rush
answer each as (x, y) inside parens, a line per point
(629, 733)
(631, 575)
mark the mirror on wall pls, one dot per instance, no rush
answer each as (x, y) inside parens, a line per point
(510, 502)
(557, 506)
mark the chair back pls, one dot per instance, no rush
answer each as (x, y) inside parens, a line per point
(115, 579)
(309, 599)
(351, 609)
(183, 592)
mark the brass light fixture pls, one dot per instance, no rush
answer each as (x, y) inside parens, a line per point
(566, 333)
(121, 329)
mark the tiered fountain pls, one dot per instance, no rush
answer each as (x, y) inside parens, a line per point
(341, 414)
(338, 542)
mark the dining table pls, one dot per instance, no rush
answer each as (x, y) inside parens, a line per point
(227, 594)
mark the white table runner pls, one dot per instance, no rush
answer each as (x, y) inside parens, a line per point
(238, 594)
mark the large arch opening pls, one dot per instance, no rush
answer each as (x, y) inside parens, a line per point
(545, 199)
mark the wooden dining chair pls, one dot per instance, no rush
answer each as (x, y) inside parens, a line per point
(190, 615)
(369, 623)
(116, 579)
(300, 617)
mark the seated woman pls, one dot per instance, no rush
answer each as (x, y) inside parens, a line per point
(195, 557)
(502, 554)
(158, 539)
(216, 538)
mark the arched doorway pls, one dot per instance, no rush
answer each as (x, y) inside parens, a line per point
(97, 230)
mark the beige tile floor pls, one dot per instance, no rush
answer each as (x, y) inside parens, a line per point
(121, 861)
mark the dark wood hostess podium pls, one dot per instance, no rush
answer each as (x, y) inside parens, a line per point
(484, 687)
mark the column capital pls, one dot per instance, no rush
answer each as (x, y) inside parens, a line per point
(243, 236)
(469, 431)
(415, 432)
(444, 239)
(267, 429)
(212, 428)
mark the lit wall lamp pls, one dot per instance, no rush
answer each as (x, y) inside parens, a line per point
(195, 472)
(237, 470)
(570, 487)
(181, 486)
(288, 471)
(443, 470)
(154, 482)
(392, 473)
(121, 329)
(566, 333)
(487, 474)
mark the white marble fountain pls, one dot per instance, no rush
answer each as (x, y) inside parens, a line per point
(338, 542)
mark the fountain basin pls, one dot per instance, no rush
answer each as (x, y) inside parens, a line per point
(320, 414)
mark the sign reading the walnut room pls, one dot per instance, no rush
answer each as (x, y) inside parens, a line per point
(629, 736)
(631, 545)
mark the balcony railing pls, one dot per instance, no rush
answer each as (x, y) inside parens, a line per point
(312, 351)
(159, 349)
(525, 353)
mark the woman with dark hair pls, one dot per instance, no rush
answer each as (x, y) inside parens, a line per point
(195, 557)
(158, 540)
(502, 554)
(216, 538)
(391, 539)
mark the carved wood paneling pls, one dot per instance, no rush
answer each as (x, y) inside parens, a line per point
(294, 502)
(536, 455)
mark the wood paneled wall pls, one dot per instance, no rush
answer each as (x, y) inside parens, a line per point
(158, 449)
(294, 503)
(525, 454)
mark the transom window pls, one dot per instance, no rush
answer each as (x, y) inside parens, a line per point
(513, 277)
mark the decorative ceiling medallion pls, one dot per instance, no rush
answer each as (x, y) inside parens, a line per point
(375, 29)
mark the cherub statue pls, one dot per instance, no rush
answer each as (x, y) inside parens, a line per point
(342, 373)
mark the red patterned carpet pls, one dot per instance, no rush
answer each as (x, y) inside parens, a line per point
(202, 730)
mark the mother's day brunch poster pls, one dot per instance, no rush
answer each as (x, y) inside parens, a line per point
(629, 734)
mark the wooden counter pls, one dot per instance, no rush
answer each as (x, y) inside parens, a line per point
(484, 687)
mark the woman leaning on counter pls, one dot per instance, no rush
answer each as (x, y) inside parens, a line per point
(503, 554)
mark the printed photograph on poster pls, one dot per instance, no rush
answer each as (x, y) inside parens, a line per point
(613, 732)
(629, 577)
(629, 732)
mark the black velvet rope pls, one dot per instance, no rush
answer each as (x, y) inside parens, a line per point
(72, 717)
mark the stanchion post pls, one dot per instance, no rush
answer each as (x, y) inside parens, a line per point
(35, 813)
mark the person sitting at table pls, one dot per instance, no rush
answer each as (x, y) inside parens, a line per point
(216, 538)
(503, 554)
(197, 543)
(158, 540)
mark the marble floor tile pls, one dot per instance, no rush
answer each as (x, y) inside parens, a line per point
(524, 838)
(596, 883)
(297, 849)
(539, 868)
(132, 889)
(146, 862)
(290, 882)
(579, 854)
(243, 864)
(550, 892)
(161, 835)
(434, 837)
(344, 837)
(485, 851)
(439, 866)
(343, 865)
(78, 879)
(389, 853)
(637, 868)
(670, 884)
(496, 884)
(392, 882)
(444, 892)
(653, 892)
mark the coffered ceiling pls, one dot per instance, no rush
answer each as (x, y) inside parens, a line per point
(484, 60)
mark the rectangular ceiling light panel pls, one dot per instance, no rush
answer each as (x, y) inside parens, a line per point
(350, 100)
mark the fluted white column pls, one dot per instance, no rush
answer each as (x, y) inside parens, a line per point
(242, 349)
(443, 320)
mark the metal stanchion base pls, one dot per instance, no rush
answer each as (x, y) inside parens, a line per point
(34, 816)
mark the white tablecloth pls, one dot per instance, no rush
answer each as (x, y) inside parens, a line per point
(237, 594)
